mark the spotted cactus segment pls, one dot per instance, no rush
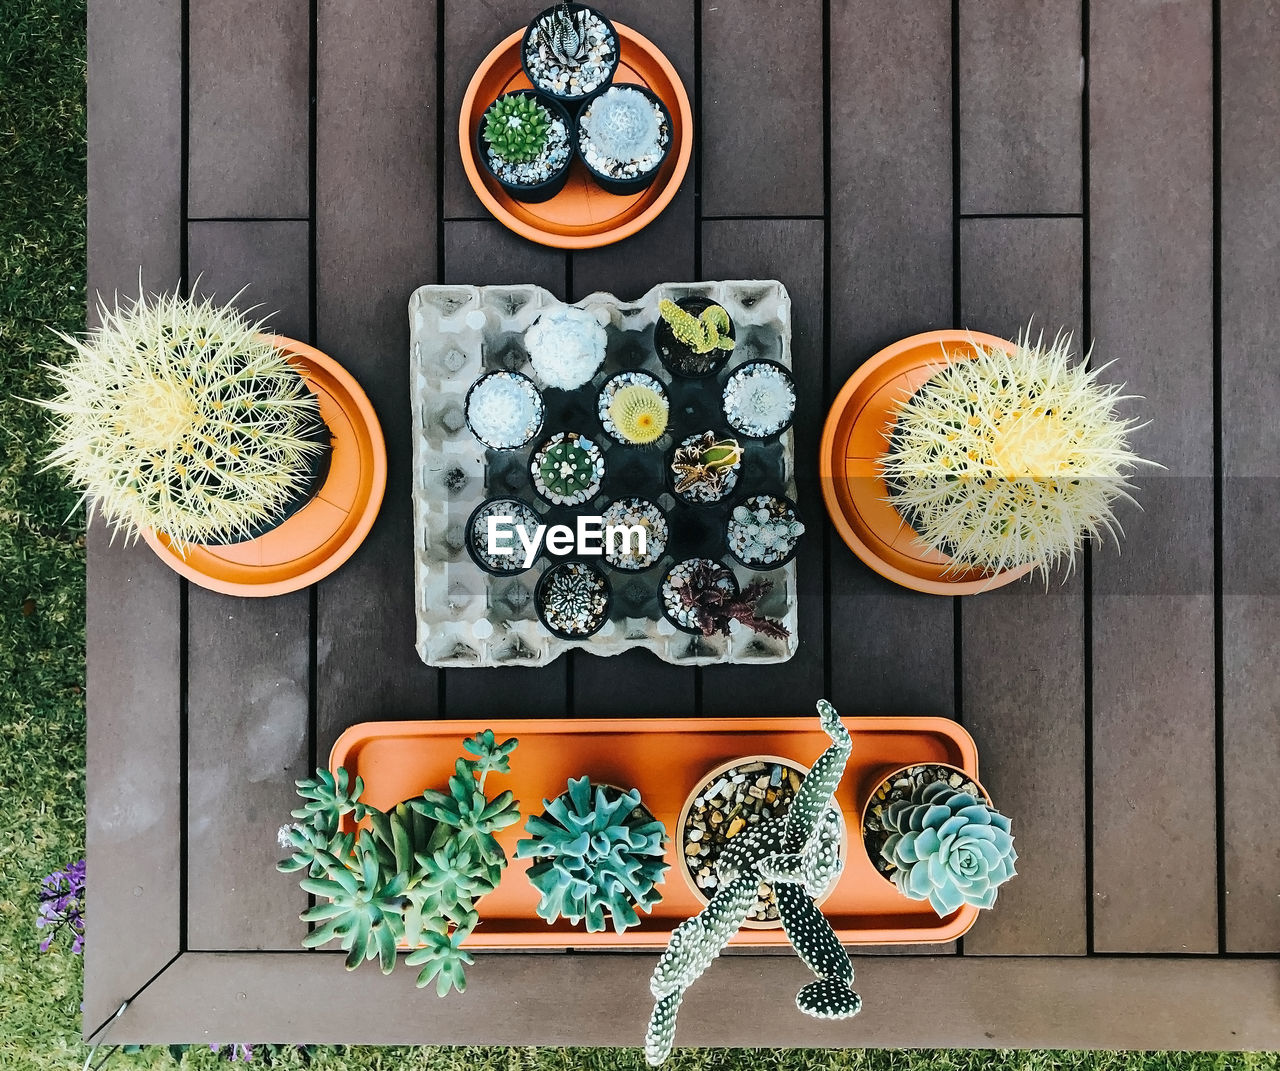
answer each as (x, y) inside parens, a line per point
(832, 996)
(819, 785)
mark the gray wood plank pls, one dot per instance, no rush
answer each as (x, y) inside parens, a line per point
(785, 250)
(1250, 264)
(513, 999)
(248, 668)
(1151, 239)
(134, 726)
(249, 108)
(488, 253)
(1021, 78)
(376, 241)
(267, 260)
(761, 128)
(471, 30)
(1023, 678)
(891, 256)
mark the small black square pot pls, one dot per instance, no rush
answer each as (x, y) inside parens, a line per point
(542, 191)
(677, 356)
(571, 103)
(623, 187)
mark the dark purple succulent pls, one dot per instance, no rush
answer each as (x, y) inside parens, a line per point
(715, 605)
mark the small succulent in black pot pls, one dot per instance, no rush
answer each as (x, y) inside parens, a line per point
(694, 336)
(524, 142)
(623, 138)
(569, 52)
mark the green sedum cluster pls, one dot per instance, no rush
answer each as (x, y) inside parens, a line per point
(702, 334)
(948, 847)
(413, 874)
(599, 855)
(516, 128)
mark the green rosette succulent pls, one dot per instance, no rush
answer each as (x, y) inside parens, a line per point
(948, 847)
(599, 856)
(516, 128)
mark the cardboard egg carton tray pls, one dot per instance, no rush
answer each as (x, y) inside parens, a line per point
(469, 618)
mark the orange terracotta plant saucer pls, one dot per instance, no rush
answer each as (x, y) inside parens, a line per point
(665, 758)
(317, 539)
(856, 435)
(582, 215)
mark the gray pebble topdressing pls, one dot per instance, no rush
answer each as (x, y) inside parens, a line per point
(575, 80)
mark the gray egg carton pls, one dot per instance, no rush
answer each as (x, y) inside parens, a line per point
(467, 617)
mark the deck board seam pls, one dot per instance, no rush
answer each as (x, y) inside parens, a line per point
(1219, 651)
(1086, 314)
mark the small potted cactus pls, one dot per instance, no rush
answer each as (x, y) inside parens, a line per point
(182, 417)
(523, 141)
(623, 138)
(504, 410)
(598, 856)
(932, 831)
(798, 854)
(694, 336)
(569, 52)
(489, 515)
(702, 597)
(763, 531)
(705, 468)
(566, 347)
(572, 599)
(633, 408)
(759, 399)
(410, 876)
(567, 469)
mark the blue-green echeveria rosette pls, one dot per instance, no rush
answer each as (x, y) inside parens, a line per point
(949, 847)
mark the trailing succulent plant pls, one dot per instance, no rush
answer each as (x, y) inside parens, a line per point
(703, 333)
(948, 846)
(516, 128)
(411, 875)
(797, 853)
(598, 855)
(623, 125)
(639, 413)
(1011, 459)
(181, 416)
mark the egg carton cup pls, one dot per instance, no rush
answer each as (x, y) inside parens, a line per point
(469, 618)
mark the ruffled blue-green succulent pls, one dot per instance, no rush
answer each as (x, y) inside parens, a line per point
(798, 855)
(948, 847)
(599, 856)
(413, 875)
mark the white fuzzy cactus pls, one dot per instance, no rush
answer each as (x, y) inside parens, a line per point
(180, 416)
(1011, 459)
(798, 855)
(623, 125)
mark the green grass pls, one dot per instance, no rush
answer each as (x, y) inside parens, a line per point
(42, 282)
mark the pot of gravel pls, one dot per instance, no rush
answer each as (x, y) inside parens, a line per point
(623, 136)
(523, 141)
(569, 52)
(730, 800)
(572, 599)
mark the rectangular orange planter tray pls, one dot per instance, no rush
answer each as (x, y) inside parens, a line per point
(665, 758)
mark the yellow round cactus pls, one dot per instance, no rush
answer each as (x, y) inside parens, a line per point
(1012, 458)
(639, 413)
(180, 416)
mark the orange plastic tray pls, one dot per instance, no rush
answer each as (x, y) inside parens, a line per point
(856, 435)
(582, 215)
(665, 758)
(322, 535)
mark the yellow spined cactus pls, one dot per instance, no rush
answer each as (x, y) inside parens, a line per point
(180, 416)
(1011, 459)
(702, 334)
(639, 413)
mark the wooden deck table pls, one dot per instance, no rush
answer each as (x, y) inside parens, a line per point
(1099, 164)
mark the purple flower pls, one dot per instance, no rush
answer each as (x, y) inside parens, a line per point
(62, 906)
(235, 1053)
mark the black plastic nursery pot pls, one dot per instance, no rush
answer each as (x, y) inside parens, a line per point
(571, 101)
(542, 418)
(749, 364)
(317, 472)
(680, 359)
(762, 566)
(544, 582)
(623, 187)
(542, 191)
(666, 610)
(518, 508)
(685, 497)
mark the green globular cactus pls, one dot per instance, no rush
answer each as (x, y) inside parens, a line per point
(408, 876)
(798, 855)
(516, 128)
(702, 334)
(948, 847)
(183, 417)
(599, 856)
